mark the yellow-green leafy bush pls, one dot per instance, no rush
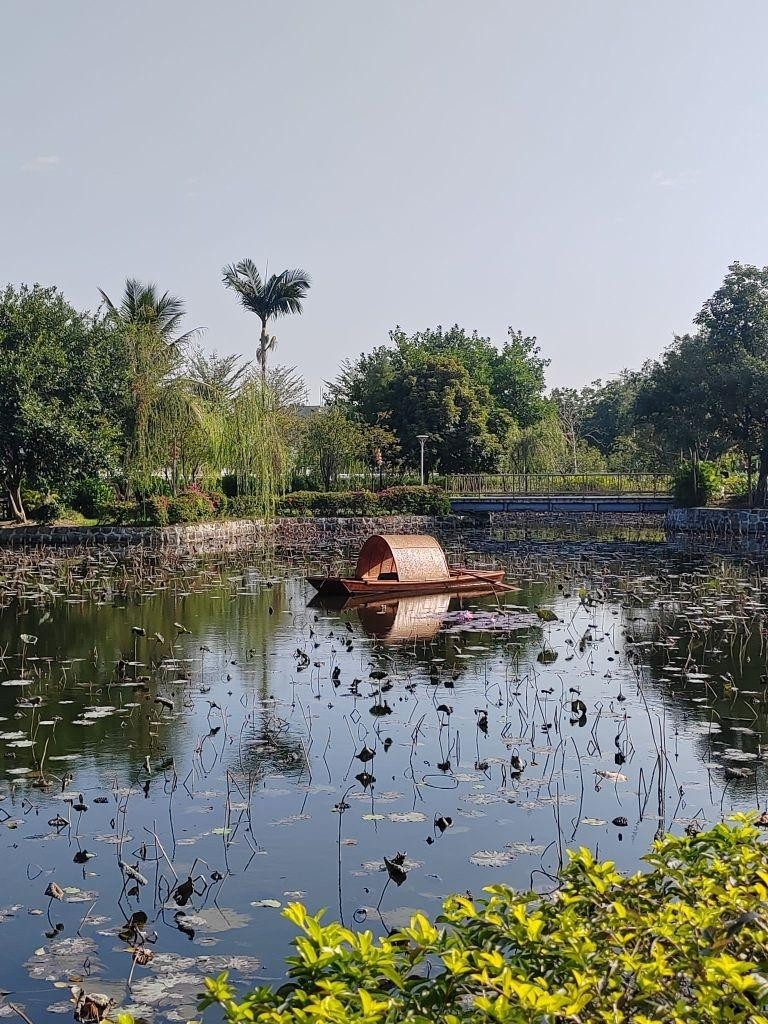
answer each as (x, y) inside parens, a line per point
(686, 941)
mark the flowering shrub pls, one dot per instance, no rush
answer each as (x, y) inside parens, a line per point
(686, 942)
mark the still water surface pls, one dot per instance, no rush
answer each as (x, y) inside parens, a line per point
(204, 722)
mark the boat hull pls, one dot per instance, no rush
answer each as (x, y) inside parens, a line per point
(458, 582)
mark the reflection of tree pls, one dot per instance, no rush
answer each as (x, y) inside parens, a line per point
(86, 641)
(268, 747)
(733, 693)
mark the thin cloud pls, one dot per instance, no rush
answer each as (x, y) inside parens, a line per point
(41, 163)
(676, 180)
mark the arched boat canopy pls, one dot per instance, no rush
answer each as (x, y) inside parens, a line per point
(409, 558)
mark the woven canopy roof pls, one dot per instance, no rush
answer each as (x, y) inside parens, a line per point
(410, 558)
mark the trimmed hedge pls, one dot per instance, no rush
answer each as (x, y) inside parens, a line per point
(686, 942)
(418, 501)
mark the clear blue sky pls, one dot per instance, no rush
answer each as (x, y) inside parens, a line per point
(584, 171)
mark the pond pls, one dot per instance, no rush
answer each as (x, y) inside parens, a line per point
(188, 747)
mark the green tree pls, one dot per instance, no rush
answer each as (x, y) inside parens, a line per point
(709, 392)
(58, 383)
(156, 408)
(435, 395)
(733, 331)
(497, 387)
(277, 296)
(216, 378)
(332, 444)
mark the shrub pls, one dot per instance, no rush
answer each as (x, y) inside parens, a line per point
(394, 500)
(346, 503)
(298, 503)
(193, 506)
(417, 501)
(157, 510)
(686, 941)
(123, 513)
(245, 506)
(696, 483)
(93, 497)
(48, 510)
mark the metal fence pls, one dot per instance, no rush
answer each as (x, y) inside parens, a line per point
(552, 484)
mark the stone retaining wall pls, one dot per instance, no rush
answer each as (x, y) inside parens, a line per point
(721, 522)
(230, 535)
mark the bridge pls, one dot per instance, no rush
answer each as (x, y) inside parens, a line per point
(559, 492)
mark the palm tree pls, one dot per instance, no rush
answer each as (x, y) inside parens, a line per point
(142, 307)
(280, 295)
(147, 325)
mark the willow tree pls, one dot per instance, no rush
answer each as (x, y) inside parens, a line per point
(252, 443)
(277, 296)
(148, 327)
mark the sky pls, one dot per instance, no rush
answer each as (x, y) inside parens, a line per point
(582, 171)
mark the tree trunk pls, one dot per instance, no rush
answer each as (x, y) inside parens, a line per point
(17, 505)
(761, 491)
(263, 341)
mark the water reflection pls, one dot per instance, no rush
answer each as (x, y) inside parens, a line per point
(274, 751)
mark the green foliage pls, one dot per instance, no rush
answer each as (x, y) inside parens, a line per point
(696, 483)
(92, 497)
(157, 510)
(297, 503)
(422, 501)
(48, 510)
(193, 506)
(57, 393)
(244, 506)
(331, 444)
(687, 941)
(459, 388)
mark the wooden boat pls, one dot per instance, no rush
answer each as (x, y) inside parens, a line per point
(402, 564)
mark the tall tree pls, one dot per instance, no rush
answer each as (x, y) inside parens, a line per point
(498, 388)
(58, 382)
(435, 395)
(277, 296)
(332, 444)
(147, 326)
(709, 391)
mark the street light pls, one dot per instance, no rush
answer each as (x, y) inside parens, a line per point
(422, 438)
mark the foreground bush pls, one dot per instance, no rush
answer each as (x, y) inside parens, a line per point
(686, 942)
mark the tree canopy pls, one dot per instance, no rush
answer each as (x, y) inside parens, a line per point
(60, 379)
(461, 389)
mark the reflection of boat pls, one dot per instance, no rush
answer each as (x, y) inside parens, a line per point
(420, 617)
(405, 618)
(401, 564)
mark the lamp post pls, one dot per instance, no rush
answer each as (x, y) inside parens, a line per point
(422, 438)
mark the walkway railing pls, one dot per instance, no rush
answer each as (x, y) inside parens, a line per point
(552, 484)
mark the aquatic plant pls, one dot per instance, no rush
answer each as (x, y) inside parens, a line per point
(685, 941)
